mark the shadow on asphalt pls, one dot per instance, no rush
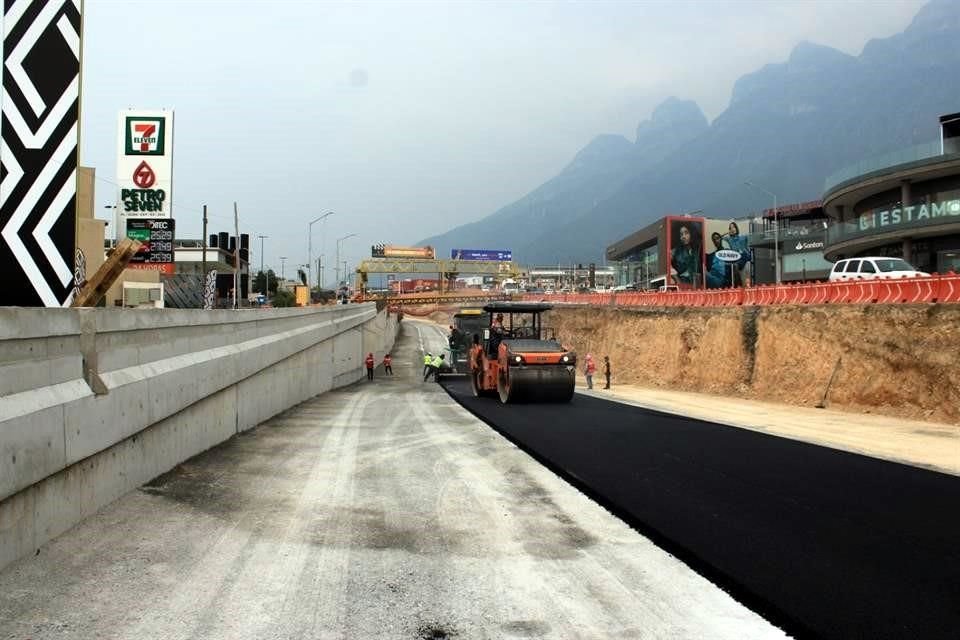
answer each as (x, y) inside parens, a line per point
(822, 542)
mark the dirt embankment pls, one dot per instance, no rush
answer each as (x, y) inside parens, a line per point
(899, 360)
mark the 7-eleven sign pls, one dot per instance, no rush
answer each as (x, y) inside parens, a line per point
(144, 136)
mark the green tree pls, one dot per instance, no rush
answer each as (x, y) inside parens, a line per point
(283, 298)
(260, 286)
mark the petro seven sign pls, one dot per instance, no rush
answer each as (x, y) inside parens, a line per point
(144, 166)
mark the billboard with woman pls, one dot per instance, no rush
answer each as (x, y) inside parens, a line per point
(685, 248)
(727, 255)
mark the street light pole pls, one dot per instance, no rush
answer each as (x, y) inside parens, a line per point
(310, 246)
(283, 260)
(776, 230)
(266, 281)
(337, 263)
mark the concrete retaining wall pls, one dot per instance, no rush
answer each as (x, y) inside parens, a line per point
(94, 403)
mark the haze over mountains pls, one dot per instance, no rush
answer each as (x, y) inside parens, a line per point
(788, 126)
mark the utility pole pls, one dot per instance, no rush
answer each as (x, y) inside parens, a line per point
(265, 279)
(204, 245)
(236, 258)
(283, 260)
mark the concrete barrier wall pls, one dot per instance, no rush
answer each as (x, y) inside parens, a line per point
(94, 403)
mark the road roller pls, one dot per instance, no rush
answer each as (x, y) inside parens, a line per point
(518, 359)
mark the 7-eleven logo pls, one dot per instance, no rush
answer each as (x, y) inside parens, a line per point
(144, 136)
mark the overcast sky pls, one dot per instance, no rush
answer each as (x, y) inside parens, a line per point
(407, 119)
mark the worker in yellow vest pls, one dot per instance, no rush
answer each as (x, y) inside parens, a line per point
(427, 361)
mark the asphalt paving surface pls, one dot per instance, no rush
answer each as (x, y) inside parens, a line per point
(825, 543)
(381, 510)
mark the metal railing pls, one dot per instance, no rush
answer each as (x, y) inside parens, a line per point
(885, 161)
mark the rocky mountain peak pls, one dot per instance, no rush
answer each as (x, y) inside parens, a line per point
(672, 117)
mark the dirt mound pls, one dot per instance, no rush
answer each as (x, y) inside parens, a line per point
(892, 359)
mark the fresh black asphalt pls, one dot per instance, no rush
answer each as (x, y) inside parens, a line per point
(824, 543)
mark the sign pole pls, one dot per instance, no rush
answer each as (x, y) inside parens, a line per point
(236, 258)
(204, 240)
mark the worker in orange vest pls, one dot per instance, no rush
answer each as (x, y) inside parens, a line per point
(370, 362)
(589, 370)
(387, 365)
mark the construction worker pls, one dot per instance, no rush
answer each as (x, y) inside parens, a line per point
(432, 367)
(370, 362)
(497, 334)
(438, 362)
(427, 361)
(589, 369)
(388, 364)
(606, 370)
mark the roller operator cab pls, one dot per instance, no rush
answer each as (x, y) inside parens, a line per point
(518, 359)
(467, 323)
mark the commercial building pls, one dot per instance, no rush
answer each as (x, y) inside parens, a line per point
(800, 230)
(182, 282)
(647, 259)
(904, 204)
(570, 277)
(683, 251)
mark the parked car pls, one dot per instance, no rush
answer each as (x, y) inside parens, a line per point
(872, 268)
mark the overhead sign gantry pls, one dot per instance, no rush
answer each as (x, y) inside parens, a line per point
(444, 268)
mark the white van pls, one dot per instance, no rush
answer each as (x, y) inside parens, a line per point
(871, 268)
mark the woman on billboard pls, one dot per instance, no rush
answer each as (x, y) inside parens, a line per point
(686, 257)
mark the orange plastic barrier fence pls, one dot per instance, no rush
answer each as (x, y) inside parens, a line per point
(936, 288)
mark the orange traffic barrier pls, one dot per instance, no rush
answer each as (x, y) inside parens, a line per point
(927, 290)
(938, 288)
(948, 287)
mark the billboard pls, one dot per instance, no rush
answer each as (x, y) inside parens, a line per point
(144, 166)
(396, 251)
(685, 250)
(728, 255)
(484, 255)
(38, 151)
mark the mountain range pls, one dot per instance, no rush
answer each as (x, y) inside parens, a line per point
(788, 127)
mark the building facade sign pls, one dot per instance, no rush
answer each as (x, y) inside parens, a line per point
(144, 166)
(807, 245)
(909, 216)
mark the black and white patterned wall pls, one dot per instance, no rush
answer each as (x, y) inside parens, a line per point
(38, 151)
